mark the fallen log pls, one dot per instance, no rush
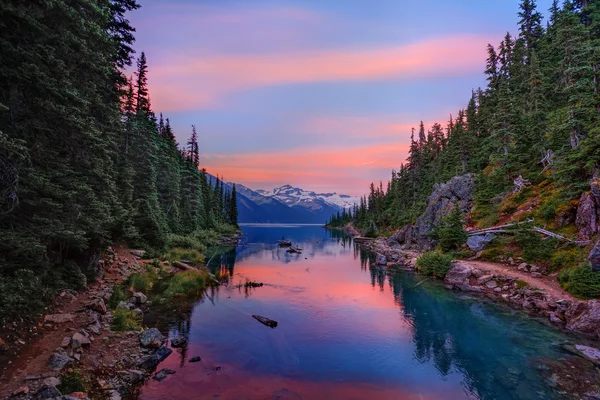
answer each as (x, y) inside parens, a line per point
(265, 321)
(181, 266)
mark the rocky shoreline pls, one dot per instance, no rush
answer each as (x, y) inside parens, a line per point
(578, 316)
(76, 340)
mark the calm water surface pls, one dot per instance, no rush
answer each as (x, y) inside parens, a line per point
(346, 331)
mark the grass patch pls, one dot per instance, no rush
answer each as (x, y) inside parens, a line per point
(124, 320)
(178, 254)
(581, 281)
(434, 263)
(189, 283)
(118, 295)
(140, 282)
(521, 284)
(72, 382)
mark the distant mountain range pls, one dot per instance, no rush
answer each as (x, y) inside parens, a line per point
(288, 204)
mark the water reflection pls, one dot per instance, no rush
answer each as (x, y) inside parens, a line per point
(347, 329)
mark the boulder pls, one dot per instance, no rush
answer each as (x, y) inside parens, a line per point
(58, 362)
(491, 284)
(584, 317)
(589, 353)
(536, 275)
(140, 298)
(458, 276)
(134, 376)
(458, 190)
(178, 342)
(78, 340)
(523, 267)
(151, 361)
(47, 392)
(98, 306)
(138, 253)
(479, 242)
(151, 338)
(399, 236)
(594, 257)
(162, 374)
(586, 219)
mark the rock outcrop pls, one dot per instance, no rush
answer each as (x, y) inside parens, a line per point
(586, 220)
(445, 196)
(478, 243)
(594, 257)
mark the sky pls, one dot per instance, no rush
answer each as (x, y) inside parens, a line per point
(318, 94)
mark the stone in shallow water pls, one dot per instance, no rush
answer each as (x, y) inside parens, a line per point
(195, 359)
(151, 338)
(179, 341)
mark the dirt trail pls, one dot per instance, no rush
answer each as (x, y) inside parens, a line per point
(102, 353)
(547, 283)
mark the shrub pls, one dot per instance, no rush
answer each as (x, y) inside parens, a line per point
(434, 263)
(178, 254)
(184, 242)
(581, 281)
(118, 295)
(535, 248)
(521, 284)
(451, 234)
(23, 292)
(206, 237)
(72, 382)
(189, 283)
(124, 320)
(140, 282)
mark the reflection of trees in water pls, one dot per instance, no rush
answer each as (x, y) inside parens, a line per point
(451, 332)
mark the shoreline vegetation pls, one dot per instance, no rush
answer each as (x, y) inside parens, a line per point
(512, 178)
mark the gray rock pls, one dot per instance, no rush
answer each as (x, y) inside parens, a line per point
(58, 362)
(138, 253)
(195, 359)
(178, 342)
(534, 268)
(479, 242)
(134, 376)
(138, 312)
(151, 361)
(162, 374)
(78, 340)
(523, 267)
(113, 395)
(381, 259)
(458, 276)
(98, 305)
(586, 219)
(590, 353)
(124, 305)
(458, 190)
(584, 317)
(594, 257)
(47, 392)
(483, 279)
(151, 338)
(140, 298)
(554, 317)
(536, 274)
(491, 284)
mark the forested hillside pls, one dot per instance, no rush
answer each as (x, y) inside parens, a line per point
(84, 160)
(531, 137)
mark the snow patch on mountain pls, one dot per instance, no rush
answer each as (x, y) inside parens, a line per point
(293, 196)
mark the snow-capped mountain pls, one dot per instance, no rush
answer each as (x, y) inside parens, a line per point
(287, 204)
(292, 196)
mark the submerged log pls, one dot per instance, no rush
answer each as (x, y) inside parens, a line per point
(285, 243)
(294, 250)
(265, 321)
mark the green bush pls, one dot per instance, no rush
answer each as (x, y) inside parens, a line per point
(189, 283)
(434, 263)
(23, 292)
(534, 246)
(451, 234)
(581, 281)
(207, 237)
(124, 320)
(178, 254)
(72, 382)
(184, 242)
(140, 282)
(118, 295)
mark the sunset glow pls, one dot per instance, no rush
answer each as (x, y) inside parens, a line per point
(320, 96)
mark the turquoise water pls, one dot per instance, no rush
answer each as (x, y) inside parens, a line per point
(345, 331)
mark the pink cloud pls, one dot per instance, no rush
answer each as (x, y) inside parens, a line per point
(204, 80)
(332, 169)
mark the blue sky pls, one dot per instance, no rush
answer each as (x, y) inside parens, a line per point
(317, 94)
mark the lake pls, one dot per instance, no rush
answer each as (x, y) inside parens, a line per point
(346, 330)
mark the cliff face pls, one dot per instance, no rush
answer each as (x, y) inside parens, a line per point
(458, 190)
